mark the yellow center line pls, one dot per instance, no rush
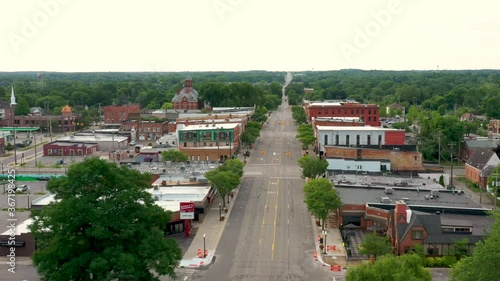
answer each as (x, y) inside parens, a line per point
(264, 215)
(275, 218)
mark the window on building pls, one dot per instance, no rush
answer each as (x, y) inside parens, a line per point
(357, 140)
(60, 152)
(207, 158)
(432, 251)
(368, 140)
(379, 140)
(374, 119)
(71, 152)
(326, 139)
(80, 152)
(336, 139)
(369, 118)
(352, 111)
(185, 144)
(319, 112)
(347, 140)
(49, 151)
(369, 111)
(416, 159)
(417, 234)
(198, 158)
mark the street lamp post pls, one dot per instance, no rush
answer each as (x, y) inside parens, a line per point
(324, 233)
(2, 167)
(451, 158)
(204, 245)
(220, 211)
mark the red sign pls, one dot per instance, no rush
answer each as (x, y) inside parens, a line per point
(187, 207)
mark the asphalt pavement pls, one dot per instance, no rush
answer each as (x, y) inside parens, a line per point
(268, 233)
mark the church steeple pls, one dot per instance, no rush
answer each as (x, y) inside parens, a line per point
(12, 97)
(188, 83)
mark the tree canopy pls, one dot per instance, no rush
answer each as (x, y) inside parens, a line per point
(306, 135)
(375, 245)
(321, 198)
(483, 264)
(226, 177)
(174, 156)
(312, 167)
(391, 268)
(103, 226)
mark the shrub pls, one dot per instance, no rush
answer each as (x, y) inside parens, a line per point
(449, 261)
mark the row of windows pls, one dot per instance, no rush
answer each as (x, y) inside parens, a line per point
(148, 129)
(339, 111)
(209, 144)
(358, 140)
(60, 152)
(206, 136)
(207, 158)
(111, 114)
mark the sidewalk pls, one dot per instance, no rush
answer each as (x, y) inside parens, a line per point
(212, 228)
(334, 252)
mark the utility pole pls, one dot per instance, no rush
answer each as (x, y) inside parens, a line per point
(451, 158)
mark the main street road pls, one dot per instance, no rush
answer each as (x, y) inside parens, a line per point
(269, 234)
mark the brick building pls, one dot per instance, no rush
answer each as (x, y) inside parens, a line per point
(337, 121)
(435, 219)
(403, 158)
(187, 98)
(119, 114)
(480, 165)
(60, 148)
(210, 142)
(369, 113)
(147, 130)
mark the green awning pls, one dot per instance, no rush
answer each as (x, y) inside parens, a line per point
(20, 129)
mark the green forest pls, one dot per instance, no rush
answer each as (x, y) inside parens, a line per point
(434, 100)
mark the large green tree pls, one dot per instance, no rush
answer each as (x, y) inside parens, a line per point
(306, 135)
(174, 156)
(483, 264)
(312, 167)
(391, 268)
(374, 245)
(321, 198)
(104, 225)
(226, 177)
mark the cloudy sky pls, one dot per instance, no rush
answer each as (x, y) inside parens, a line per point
(231, 35)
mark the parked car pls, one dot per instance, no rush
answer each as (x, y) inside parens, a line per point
(132, 143)
(22, 188)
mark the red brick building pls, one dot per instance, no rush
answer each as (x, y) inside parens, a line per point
(59, 148)
(119, 114)
(369, 113)
(187, 98)
(401, 160)
(150, 130)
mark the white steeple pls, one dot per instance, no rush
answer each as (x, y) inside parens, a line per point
(12, 97)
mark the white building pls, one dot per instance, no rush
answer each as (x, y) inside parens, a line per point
(106, 143)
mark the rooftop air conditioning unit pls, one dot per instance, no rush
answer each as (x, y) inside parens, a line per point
(388, 190)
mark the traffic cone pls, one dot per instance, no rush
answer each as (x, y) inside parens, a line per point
(200, 254)
(315, 255)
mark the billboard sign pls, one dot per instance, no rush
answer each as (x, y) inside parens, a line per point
(186, 210)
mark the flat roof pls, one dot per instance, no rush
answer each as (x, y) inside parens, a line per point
(354, 128)
(21, 228)
(43, 200)
(180, 193)
(411, 196)
(336, 118)
(209, 127)
(77, 144)
(93, 138)
(172, 206)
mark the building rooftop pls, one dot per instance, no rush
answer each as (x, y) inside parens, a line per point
(412, 196)
(93, 138)
(21, 228)
(180, 193)
(72, 144)
(209, 127)
(354, 128)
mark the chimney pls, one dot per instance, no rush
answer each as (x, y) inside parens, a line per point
(401, 214)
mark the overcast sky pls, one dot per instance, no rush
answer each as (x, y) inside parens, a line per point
(232, 35)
